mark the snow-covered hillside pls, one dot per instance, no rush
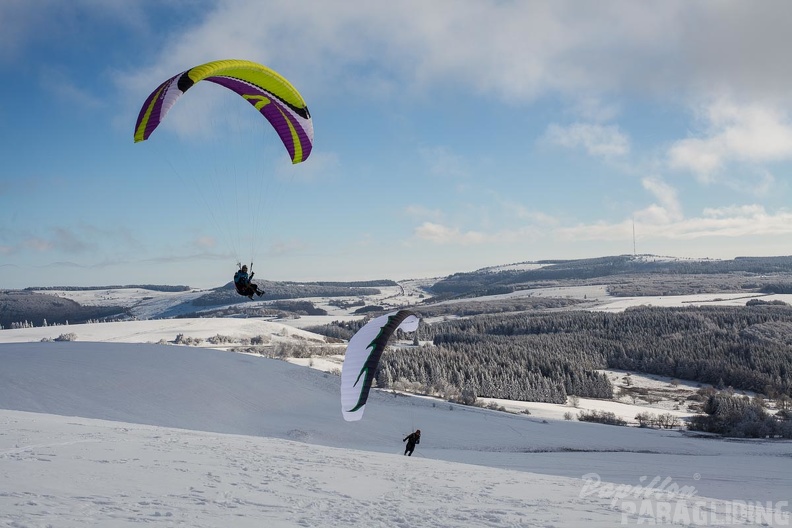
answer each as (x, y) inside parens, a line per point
(124, 433)
(146, 304)
(237, 333)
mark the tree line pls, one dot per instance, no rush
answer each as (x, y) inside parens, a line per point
(28, 309)
(541, 356)
(742, 347)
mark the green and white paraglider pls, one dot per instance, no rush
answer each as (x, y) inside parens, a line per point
(362, 358)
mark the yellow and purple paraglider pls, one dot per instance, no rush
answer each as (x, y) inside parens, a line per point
(269, 92)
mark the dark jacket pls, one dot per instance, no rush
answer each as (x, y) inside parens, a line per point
(412, 439)
(241, 278)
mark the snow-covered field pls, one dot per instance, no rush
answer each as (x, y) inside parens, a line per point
(76, 472)
(154, 331)
(111, 433)
(619, 304)
(598, 299)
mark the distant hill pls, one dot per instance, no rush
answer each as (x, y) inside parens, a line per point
(594, 270)
(152, 287)
(622, 276)
(293, 290)
(37, 309)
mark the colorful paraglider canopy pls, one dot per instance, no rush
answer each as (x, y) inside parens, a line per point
(362, 358)
(270, 93)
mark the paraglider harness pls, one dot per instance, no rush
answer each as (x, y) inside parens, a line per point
(244, 287)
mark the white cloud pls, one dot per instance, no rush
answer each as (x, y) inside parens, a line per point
(595, 231)
(536, 217)
(748, 221)
(205, 242)
(758, 182)
(733, 211)
(419, 211)
(57, 83)
(668, 210)
(516, 51)
(598, 140)
(441, 234)
(730, 222)
(521, 212)
(594, 109)
(81, 239)
(752, 133)
(665, 220)
(513, 50)
(37, 244)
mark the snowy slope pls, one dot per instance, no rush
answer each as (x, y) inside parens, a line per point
(76, 472)
(293, 459)
(164, 329)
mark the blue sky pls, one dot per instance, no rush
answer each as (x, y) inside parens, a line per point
(449, 135)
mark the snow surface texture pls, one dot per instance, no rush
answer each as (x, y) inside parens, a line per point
(115, 434)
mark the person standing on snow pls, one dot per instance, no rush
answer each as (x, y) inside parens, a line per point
(412, 439)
